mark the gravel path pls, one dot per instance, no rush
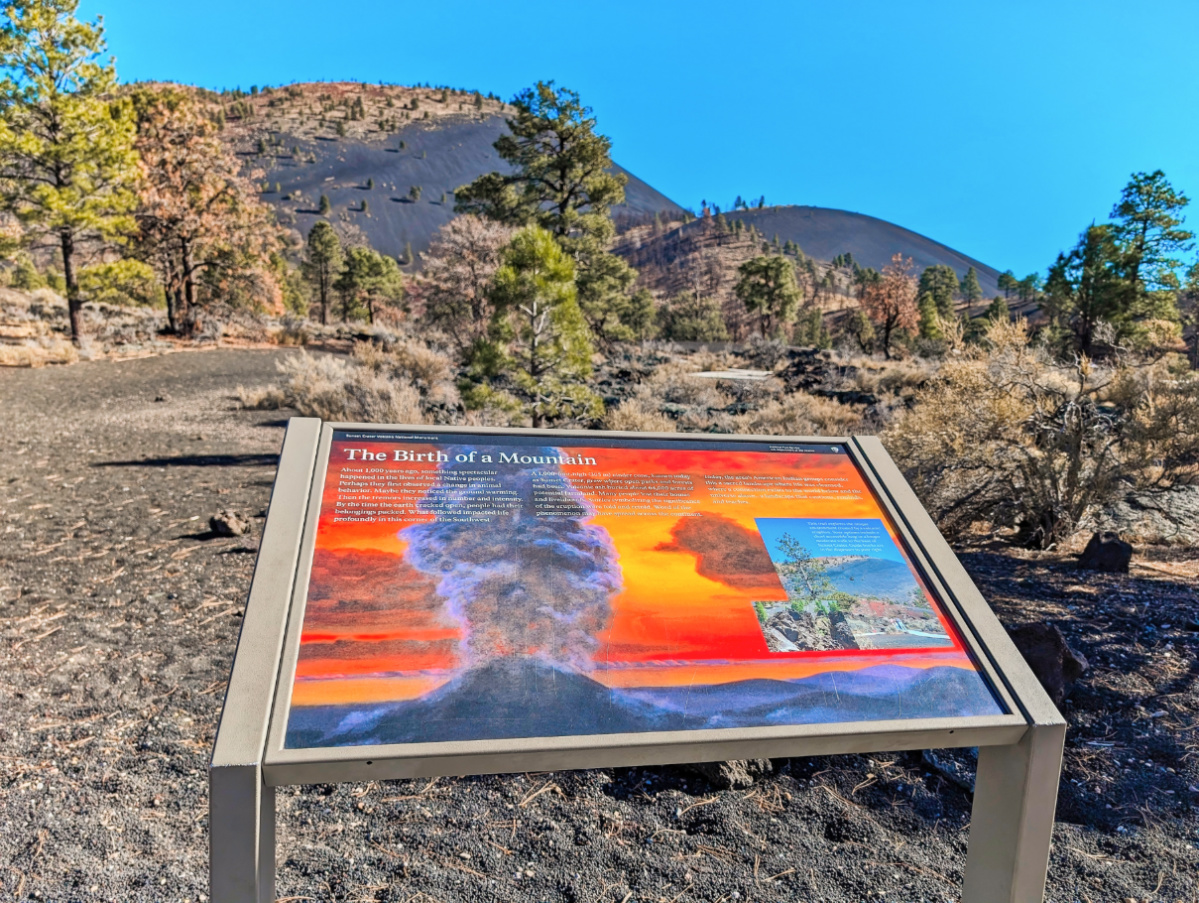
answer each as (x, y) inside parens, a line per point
(119, 614)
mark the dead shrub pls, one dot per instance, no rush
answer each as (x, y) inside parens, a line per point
(1006, 434)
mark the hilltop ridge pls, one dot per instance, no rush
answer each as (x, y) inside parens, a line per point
(404, 150)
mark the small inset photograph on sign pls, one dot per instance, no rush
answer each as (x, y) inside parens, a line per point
(848, 587)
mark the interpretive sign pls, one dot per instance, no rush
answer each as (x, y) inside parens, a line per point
(468, 588)
(444, 601)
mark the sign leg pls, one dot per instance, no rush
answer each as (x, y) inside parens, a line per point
(241, 830)
(1015, 795)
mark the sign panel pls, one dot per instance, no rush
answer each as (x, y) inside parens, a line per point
(485, 587)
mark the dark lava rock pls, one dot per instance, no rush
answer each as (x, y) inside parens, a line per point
(1106, 552)
(733, 775)
(1055, 664)
(229, 523)
(841, 632)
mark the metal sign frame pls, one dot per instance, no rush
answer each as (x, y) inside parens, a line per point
(1019, 753)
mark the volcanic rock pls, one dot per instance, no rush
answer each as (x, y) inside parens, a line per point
(1055, 664)
(1106, 552)
(228, 523)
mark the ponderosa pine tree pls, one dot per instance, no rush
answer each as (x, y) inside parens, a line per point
(768, 288)
(930, 318)
(692, 317)
(323, 207)
(972, 291)
(538, 331)
(322, 264)
(561, 180)
(940, 282)
(368, 281)
(1122, 273)
(1148, 226)
(998, 310)
(1085, 288)
(68, 169)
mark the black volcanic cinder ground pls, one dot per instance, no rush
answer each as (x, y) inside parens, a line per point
(823, 233)
(437, 157)
(118, 618)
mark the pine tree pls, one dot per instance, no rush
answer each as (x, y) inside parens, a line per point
(324, 207)
(1086, 288)
(366, 206)
(1008, 283)
(1148, 227)
(341, 128)
(322, 263)
(370, 184)
(561, 180)
(940, 282)
(972, 292)
(367, 281)
(539, 326)
(930, 317)
(691, 317)
(767, 287)
(68, 168)
(998, 310)
(414, 193)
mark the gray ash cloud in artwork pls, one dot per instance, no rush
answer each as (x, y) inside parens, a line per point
(519, 584)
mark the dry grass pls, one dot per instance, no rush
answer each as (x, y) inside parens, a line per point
(639, 415)
(800, 414)
(38, 353)
(334, 388)
(404, 381)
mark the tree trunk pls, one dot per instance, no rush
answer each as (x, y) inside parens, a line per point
(188, 297)
(74, 304)
(175, 308)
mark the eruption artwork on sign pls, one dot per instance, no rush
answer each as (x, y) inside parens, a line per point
(476, 588)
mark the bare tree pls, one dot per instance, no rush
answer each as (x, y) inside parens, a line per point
(454, 287)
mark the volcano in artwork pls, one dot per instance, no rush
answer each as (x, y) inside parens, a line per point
(479, 588)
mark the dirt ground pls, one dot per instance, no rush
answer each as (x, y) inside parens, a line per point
(119, 613)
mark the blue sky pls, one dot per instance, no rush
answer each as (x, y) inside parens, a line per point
(1001, 129)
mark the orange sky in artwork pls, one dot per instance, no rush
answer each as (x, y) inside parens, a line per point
(666, 613)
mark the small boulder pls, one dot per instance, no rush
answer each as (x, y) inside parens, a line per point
(733, 775)
(1055, 664)
(1106, 552)
(229, 523)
